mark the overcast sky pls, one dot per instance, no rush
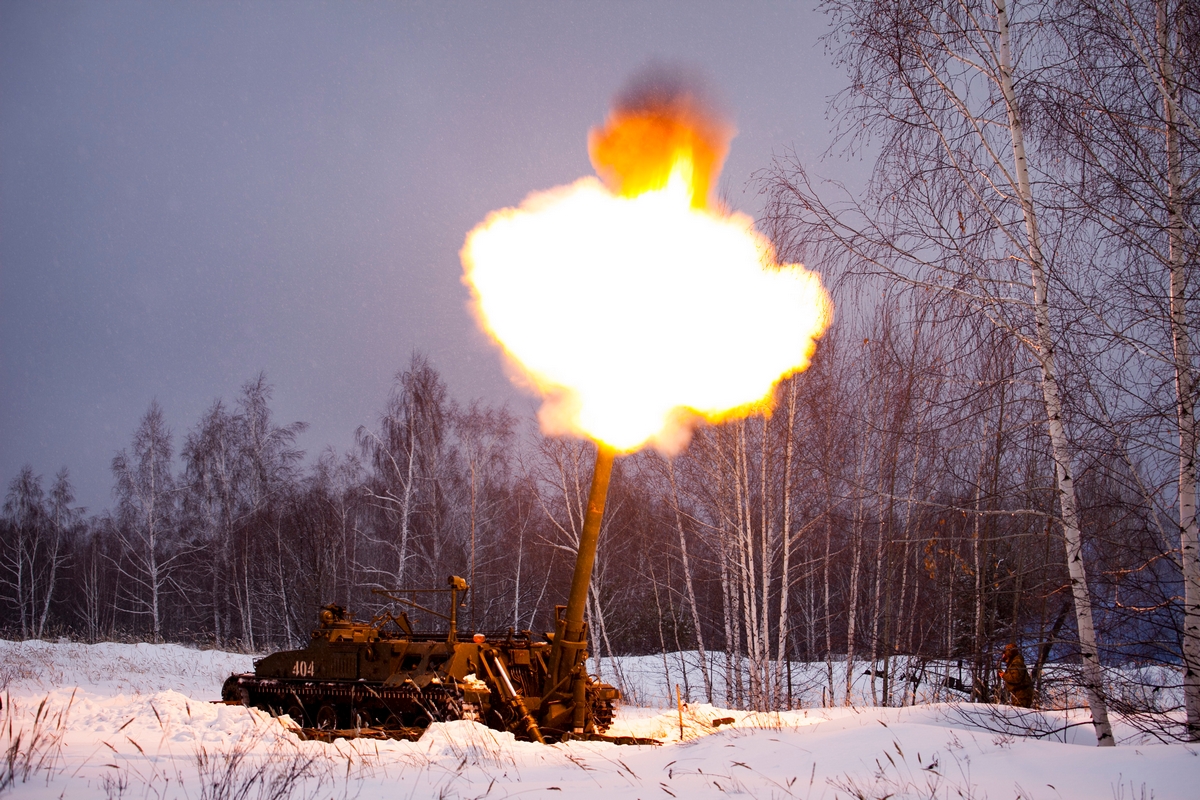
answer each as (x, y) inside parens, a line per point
(194, 192)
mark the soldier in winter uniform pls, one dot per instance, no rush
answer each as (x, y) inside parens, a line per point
(1016, 677)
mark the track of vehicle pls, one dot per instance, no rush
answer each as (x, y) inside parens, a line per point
(326, 710)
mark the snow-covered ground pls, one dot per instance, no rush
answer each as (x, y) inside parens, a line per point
(133, 721)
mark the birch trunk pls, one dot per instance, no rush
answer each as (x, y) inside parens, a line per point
(810, 617)
(746, 559)
(406, 506)
(908, 514)
(856, 530)
(828, 615)
(1060, 447)
(877, 610)
(1185, 380)
(20, 586)
(56, 523)
(517, 580)
(852, 610)
(978, 681)
(687, 579)
(728, 618)
(785, 586)
(766, 549)
(151, 503)
(247, 609)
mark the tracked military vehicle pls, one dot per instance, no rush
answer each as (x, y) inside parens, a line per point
(382, 678)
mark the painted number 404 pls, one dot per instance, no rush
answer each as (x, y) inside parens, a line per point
(304, 669)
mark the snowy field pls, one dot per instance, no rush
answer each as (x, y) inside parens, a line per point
(134, 721)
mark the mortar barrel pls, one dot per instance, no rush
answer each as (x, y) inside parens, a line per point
(588, 538)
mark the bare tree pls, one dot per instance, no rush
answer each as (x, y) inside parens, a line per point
(952, 205)
(1123, 106)
(145, 493)
(95, 589)
(35, 546)
(678, 514)
(240, 469)
(211, 477)
(485, 438)
(339, 481)
(404, 456)
(63, 518)
(269, 459)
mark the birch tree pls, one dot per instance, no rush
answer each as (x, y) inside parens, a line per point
(269, 460)
(239, 466)
(145, 493)
(63, 518)
(677, 513)
(211, 478)
(1124, 105)
(952, 205)
(22, 550)
(403, 455)
(485, 437)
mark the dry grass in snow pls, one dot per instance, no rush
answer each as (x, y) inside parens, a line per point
(133, 721)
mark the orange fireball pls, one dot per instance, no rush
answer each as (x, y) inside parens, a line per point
(632, 307)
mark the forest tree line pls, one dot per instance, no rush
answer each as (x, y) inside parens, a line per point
(995, 441)
(897, 502)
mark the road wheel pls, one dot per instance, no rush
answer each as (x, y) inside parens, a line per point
(327, 717)
(297, 714)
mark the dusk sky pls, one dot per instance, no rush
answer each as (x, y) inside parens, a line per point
(191, 193)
